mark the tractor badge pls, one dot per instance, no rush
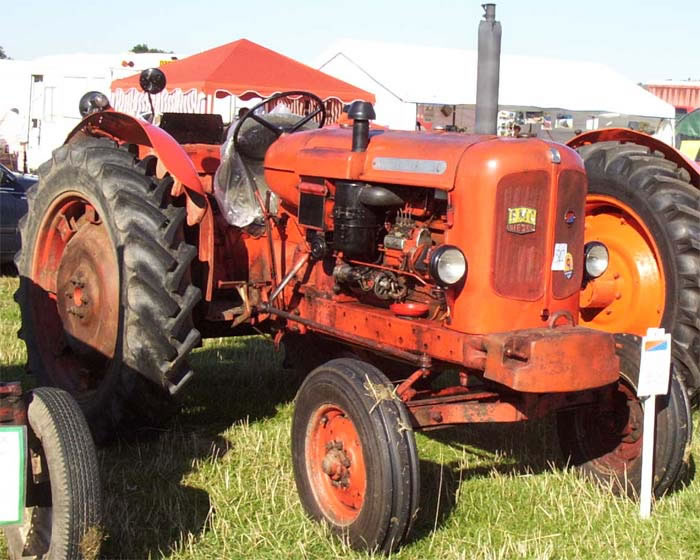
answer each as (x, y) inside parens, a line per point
(521, 220)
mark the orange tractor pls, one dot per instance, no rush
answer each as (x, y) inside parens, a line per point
(383, 260)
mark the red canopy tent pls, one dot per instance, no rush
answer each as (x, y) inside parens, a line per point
(246, 70)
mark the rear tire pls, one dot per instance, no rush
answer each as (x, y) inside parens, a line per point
(354, 455)
(653, 203)
(607, 445)
(63, 516)
(105, 291)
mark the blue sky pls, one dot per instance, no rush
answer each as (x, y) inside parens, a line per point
(644, 40)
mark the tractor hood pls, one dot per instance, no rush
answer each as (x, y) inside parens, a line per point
(396, 157)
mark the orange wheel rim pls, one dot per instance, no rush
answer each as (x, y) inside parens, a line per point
(74, 294)
(634, 282)
(335, 464)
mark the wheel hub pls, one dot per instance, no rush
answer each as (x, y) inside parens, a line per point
(630, 295)
(335, 460)
(336, 464)
(78, 301)
(617, 432)
(87, 292)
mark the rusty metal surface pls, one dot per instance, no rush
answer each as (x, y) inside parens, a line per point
(353, 339)
(552, 360)
(488, 407)
(127, 129)
(570, 213)
(450, 414)
(530, 360)
(388, 333)
(518, 270)
(207, 252)
(87, 291)
(10, 388)
(13, 409)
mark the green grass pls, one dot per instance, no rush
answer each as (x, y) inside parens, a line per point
(218, 482)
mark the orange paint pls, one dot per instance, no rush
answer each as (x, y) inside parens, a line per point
(630, 295)
(505, 203)
(336, 464)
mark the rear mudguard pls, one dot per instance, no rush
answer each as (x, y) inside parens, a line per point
(626, 135)
(127, 129)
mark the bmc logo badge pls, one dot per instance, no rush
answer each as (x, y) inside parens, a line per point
(521, 220)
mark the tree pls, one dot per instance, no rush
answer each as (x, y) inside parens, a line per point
(2, 54)
(143, 48)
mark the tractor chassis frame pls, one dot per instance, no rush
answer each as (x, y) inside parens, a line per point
(461, 405)
(519, 376)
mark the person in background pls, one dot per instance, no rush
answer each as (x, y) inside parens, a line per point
(11, 134)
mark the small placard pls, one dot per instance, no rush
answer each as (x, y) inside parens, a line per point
(655, 366)
(559, 259)
(13, 465)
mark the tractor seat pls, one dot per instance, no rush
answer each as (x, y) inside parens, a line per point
(193, 128)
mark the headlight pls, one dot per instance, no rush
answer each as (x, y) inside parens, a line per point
(597, 258)
(448, 265)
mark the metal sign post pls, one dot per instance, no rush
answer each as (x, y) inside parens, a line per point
(654, 377)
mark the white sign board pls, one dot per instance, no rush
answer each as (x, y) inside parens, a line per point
(13, 465)
(655, 367)
(654, 377)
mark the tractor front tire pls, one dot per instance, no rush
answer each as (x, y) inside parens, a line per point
(645, 210)
(105, 291)
(354, 455)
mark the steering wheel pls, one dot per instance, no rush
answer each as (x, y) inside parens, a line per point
(277, 129)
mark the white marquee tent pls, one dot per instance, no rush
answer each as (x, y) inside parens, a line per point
(46, 91)
(403, 75)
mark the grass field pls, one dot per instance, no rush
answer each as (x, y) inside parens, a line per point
(218, 482)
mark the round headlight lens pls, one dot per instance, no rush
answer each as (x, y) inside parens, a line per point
(448, 265)
(597, 259)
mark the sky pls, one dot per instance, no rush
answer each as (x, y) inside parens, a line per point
(643, 40)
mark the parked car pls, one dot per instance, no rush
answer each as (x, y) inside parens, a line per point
(13, 205)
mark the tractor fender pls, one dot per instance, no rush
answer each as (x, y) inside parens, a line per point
(125, 128)
(626, 135)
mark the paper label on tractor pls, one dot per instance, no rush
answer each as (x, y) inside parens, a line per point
(655, 367)
(559, 259)
(12, 473)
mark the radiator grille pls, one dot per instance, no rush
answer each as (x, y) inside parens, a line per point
(571, 198)
(519, 253)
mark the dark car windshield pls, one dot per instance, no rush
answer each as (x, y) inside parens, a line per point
(9, 181)
(6, 176)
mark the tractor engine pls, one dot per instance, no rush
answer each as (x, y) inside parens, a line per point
(479, 233)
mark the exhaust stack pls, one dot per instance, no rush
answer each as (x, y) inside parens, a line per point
(488, 70)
